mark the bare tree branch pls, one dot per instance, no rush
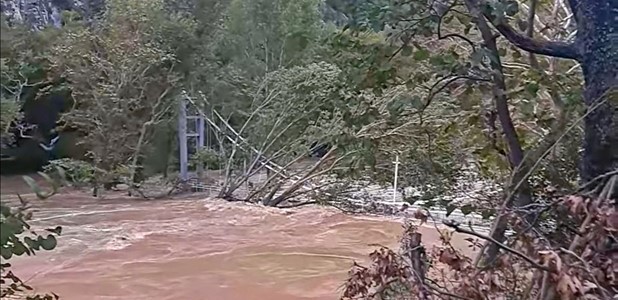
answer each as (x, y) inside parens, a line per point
(530, 30)
(549, 48)
(497, 243)
(555, 49)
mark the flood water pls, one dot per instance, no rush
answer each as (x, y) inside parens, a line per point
(199, 249)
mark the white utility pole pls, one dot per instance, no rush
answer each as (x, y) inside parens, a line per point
(396, 162)
(200, 145)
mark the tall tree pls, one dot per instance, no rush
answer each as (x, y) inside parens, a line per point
(477, 26)
(595, 47)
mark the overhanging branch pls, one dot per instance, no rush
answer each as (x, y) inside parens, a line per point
(555, 49)
(574, 6)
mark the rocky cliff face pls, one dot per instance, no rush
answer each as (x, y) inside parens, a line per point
(41, 13)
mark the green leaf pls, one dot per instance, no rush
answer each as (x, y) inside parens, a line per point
(5, 234)
(406, 50)
(449, 209)
(467, 28)
(473, 119)
(48, 243)
(512, 8)
(5, 210)
(467, 209)
(463, 19)
(416, 102)
(57, 230)
(476, 58)
(6, 253)
(421, 54)
(427, 203)
(516, 54)
(31, 243)
(19, 249)
(486, 214)
(532, 88)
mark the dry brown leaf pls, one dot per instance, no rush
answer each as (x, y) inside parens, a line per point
(568, 286)
(420, 215)
(575, 203)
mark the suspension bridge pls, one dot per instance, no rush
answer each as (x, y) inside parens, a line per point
(200, 126)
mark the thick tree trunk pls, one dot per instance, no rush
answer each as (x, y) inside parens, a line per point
(597, 44)
(596, 49)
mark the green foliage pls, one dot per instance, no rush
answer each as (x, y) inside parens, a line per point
(17, 238)
(319, 102)
(427, 144)
(365, 58)
(74, 171)
(21, 71)
(78, 173)
(303, 100)
(401, 80)
(255, 38)
(208, 158)
(448, 84)
(373, 90)
(123, 76)
(262, 36)
(9, 111)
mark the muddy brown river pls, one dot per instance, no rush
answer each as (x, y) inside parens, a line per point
(199, 249)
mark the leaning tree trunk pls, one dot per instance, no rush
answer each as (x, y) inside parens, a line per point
(597, 43)
(596, 49)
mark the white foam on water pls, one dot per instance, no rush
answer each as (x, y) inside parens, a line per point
(121, 241)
